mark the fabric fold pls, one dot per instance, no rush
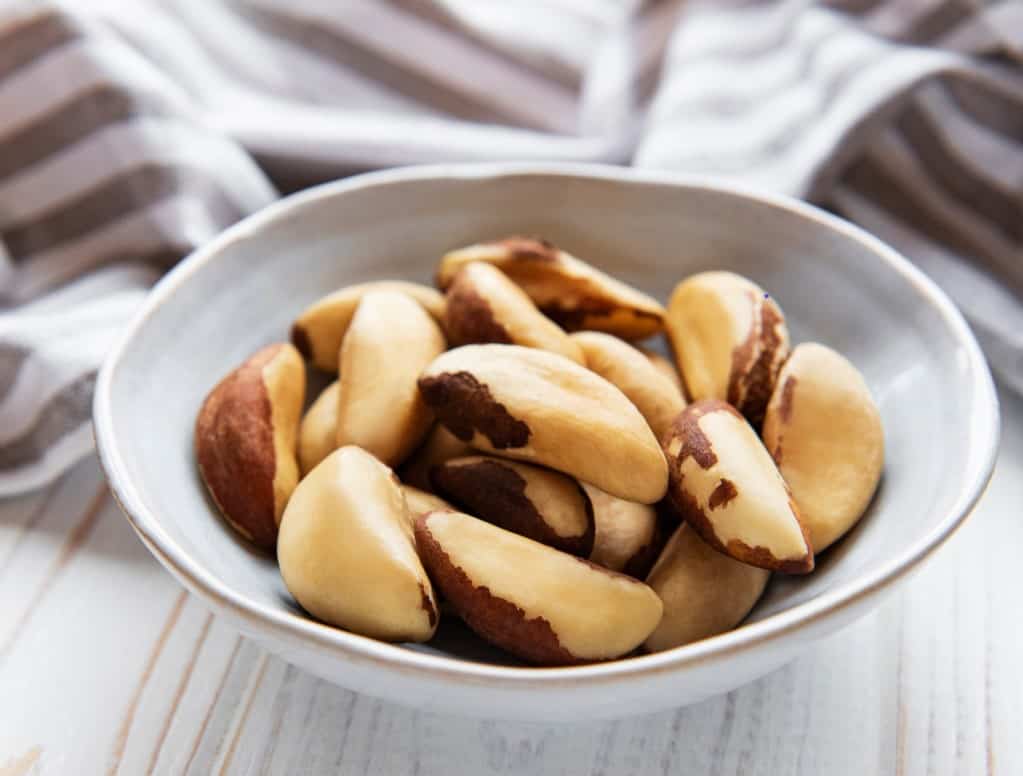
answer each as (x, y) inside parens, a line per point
(132, 133)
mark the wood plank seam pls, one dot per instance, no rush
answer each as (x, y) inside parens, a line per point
(989, 732)
(281, 702)
(900, 711)
(75, 539)
(29, 524)
(20, 765)
(246, 710)
(179, 694)
(154, 655)
(213, 704)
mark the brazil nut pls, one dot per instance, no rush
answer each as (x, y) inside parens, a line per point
(725, 484)
(317, 434)
(320, 328)
(543, 408)
(389, 342)
(482, 305)
(569, 291)
(618, 362)
(626, 535)
(704, 592)
(245, 440)
(347, 552)
(824, 432)
(533, 501)
(564, 611)
(730, 340)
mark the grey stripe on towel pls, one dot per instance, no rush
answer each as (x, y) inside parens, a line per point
(130, 133)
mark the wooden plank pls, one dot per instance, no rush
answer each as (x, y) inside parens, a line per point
(111, 668)
(44, 539)
(93, 604)
(128, 718)
(190, 720)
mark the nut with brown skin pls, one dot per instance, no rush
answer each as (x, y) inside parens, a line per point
(724, 483)
(704, 592)
(420, 501)
(570, 292)
(545, 606)
(536, 406)
(729, 339)
(317, 434)
(440, 445)
(320, 329)
(485, 306)
(824, 432)
(347, 551)
(622, 365)
(539, 503)
(626, 534)
(390, 340)
(245, 439)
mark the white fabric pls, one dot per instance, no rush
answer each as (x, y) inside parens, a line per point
(131, 132)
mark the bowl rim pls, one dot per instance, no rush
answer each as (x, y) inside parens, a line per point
(353, 648)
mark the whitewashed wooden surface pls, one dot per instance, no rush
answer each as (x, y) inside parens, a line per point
(107, 666)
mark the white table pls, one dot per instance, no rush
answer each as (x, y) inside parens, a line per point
(107, 666)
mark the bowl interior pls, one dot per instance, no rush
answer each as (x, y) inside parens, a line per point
(834, 287)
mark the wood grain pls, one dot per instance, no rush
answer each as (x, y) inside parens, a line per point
(186, 677)
(109, 667)
(154, 655)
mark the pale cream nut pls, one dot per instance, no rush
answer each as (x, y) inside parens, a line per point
(569, 291)
(618, 362)
(245, 439)
(540, 407)
(666, 367)
(725, 484)
(824, 432)
(347, 551)
(626, 535)
(439, 446)
(729, 339)
(320, 329)
(703, 591)
(390, 340)
(317, 435)
(420, 501)
(539, 503)
(545, 606)
(485, 306)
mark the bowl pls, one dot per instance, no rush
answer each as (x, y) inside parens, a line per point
(836, 283)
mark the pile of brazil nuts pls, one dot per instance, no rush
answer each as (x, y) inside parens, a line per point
(503, 445)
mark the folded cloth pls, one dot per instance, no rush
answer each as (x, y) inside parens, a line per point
(130, 133)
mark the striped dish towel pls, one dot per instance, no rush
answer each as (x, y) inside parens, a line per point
(131, 132)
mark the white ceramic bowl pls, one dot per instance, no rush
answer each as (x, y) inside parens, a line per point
(837, 285)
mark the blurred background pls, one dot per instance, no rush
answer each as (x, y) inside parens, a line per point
(131, 132)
